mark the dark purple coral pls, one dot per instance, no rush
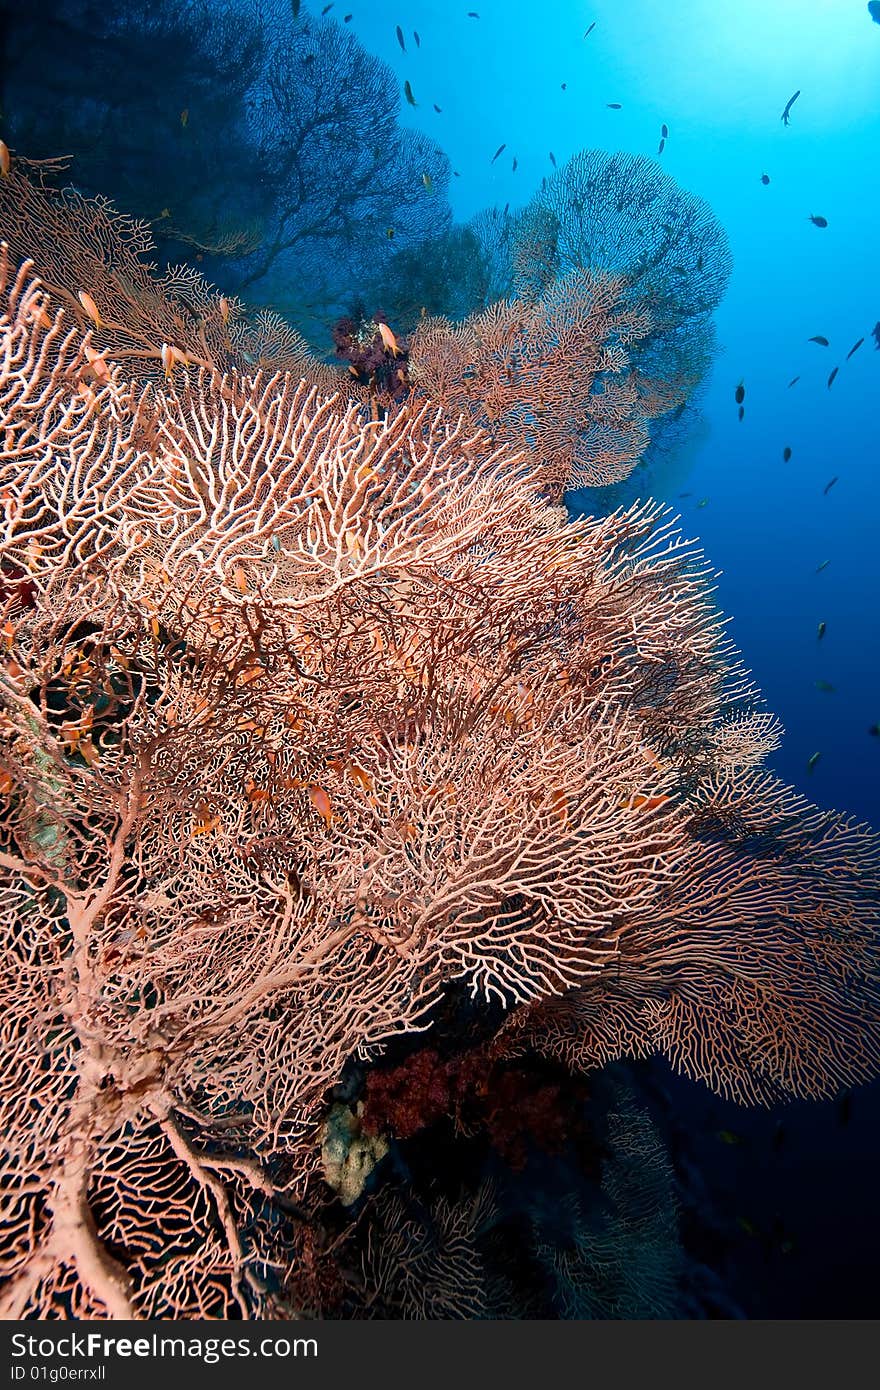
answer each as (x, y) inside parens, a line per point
(359, 342)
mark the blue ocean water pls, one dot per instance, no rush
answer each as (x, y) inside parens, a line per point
(796, 1191)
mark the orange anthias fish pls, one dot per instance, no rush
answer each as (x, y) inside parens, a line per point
(5, 158)
(206, 822)
(363, 778)
(357, 774)
(388, 339)
(90, 307)
(643, 803)
(322, 804)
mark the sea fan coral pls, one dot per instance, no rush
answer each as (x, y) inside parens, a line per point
(549, 377)
(308, 718)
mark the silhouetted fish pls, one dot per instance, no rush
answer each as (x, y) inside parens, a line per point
(765, 179)
(500, 150)
(812, 761)
(400, 39)
(786, 454)
(794, 381)
(875, 334)
(828, 486)
(824, 565)
(614, 105)
(590, 30)
(661, 147)
(855, 347)
(417, 39)
(823, 342)
(874, 10)
(664, 131)
(553, 159)
(786, 115)
(438, 109)
(514, 167)
(741, 413)
(408, 93)
(834, 372)
(820, 631)
(740, 393)
(817, 221)
(825, 687)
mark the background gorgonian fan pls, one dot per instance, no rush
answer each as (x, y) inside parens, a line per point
(593, 317)
(308, 718)
(296, 121)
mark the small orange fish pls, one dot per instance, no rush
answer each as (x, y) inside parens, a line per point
(167, 360)
(388, 339)
(97, 363)
(251, 674)
(240, 578)
(184, 117)
(90, 307)
(224, 308)
(362, 778)
(204, 827)
(88, 751)
(321, 802)
(5, 158)
(643, 803)
(88, 396)
(41, 317)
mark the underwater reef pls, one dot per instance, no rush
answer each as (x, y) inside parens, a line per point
(357, 805)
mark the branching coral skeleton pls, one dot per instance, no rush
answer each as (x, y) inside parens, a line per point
(305, 718)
